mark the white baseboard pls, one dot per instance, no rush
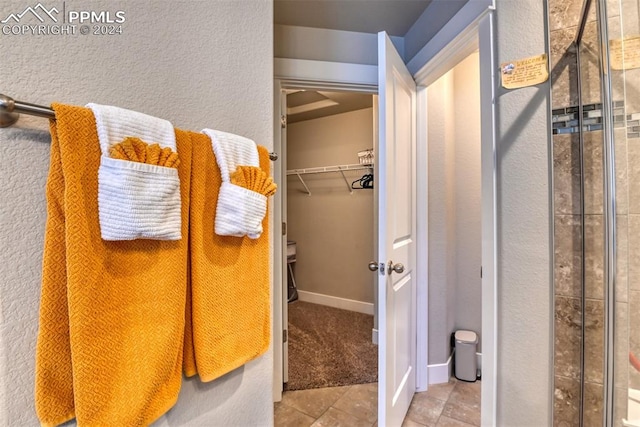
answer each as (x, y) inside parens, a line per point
(336, 302)
(440, 373)
(374, 336)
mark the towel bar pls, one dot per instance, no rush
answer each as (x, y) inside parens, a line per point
(10, 110)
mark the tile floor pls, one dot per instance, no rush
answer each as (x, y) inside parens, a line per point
(455, 404)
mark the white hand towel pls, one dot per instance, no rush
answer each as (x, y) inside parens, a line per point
(136, 200)
(115, 124)
(239, 211)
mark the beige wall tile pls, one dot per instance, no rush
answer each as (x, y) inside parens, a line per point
(622, 171)
(567, 337)
(630, 13)
(594, 342)
(634, 336)
(594, 256)
(566, 173)
(621, 351)
(564, 13)
(633, 175)
(620, 409)
(590, 65)
(568, 255)
(593, 172)
(564, 77)
(566, 402)
(633, 255)
(593, 405)
(622, 258)
(632, 90)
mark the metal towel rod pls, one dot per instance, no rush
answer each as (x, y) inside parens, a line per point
(10, 110)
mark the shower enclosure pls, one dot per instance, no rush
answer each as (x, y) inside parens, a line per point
(597, 236)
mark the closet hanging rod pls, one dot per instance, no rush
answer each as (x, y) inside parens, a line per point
(10, 110)
(324, 169)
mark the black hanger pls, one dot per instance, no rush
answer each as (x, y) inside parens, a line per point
(366, 181)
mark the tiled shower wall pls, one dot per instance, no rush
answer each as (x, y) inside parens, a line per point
(564, 17)
(563, 20)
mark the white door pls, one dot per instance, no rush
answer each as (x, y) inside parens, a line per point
(282, 189)
(396, 184)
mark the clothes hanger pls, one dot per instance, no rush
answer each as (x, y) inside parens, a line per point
(366, 181)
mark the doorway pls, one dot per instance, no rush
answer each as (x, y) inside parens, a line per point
(328, 200)
(453, 218)
(454, 213)
(363, 78)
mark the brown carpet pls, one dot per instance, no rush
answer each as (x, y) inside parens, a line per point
(329, 347)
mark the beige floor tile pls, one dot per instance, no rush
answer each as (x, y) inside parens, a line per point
(286, 416)
(425, 410)
(337, 418)
(410, 423)
(440, 391)
(462, 412)
(454, 404)
(360, 401)
(313, 402)
(466, 394)
(445, 421)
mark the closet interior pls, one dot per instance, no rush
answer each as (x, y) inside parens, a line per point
(331, 238)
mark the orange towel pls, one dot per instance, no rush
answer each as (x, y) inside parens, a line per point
(112, 313)
(228, 315)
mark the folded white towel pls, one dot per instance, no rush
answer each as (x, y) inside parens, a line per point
(115, 124)
(232, 151)
(239, 211)
(136, 200)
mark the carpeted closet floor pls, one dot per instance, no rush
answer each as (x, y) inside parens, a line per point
(329, 347)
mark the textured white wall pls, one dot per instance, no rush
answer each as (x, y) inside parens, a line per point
(453, 108)
(442, 214)
(329, 45)
(466, 92)
(524, 300)
(196, 63)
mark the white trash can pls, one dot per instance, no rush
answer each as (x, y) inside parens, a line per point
(466, 367)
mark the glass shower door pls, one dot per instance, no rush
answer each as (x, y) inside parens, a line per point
(592, 165)
(609, 87)
(623, 43)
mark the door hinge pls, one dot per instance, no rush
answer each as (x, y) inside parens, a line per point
(283, 121)
(285, 335)
(481, 272)
(284, 228)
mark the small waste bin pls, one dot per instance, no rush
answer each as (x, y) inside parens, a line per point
(465, 355)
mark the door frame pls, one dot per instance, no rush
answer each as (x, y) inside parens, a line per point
(305, 74)
(302, 74)
(472, 27)
(479, 34)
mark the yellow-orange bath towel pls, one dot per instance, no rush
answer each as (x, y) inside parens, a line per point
(112, 313)
(228, 318)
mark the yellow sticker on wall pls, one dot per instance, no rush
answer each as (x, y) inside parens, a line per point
(624, 54)
(524, 72)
